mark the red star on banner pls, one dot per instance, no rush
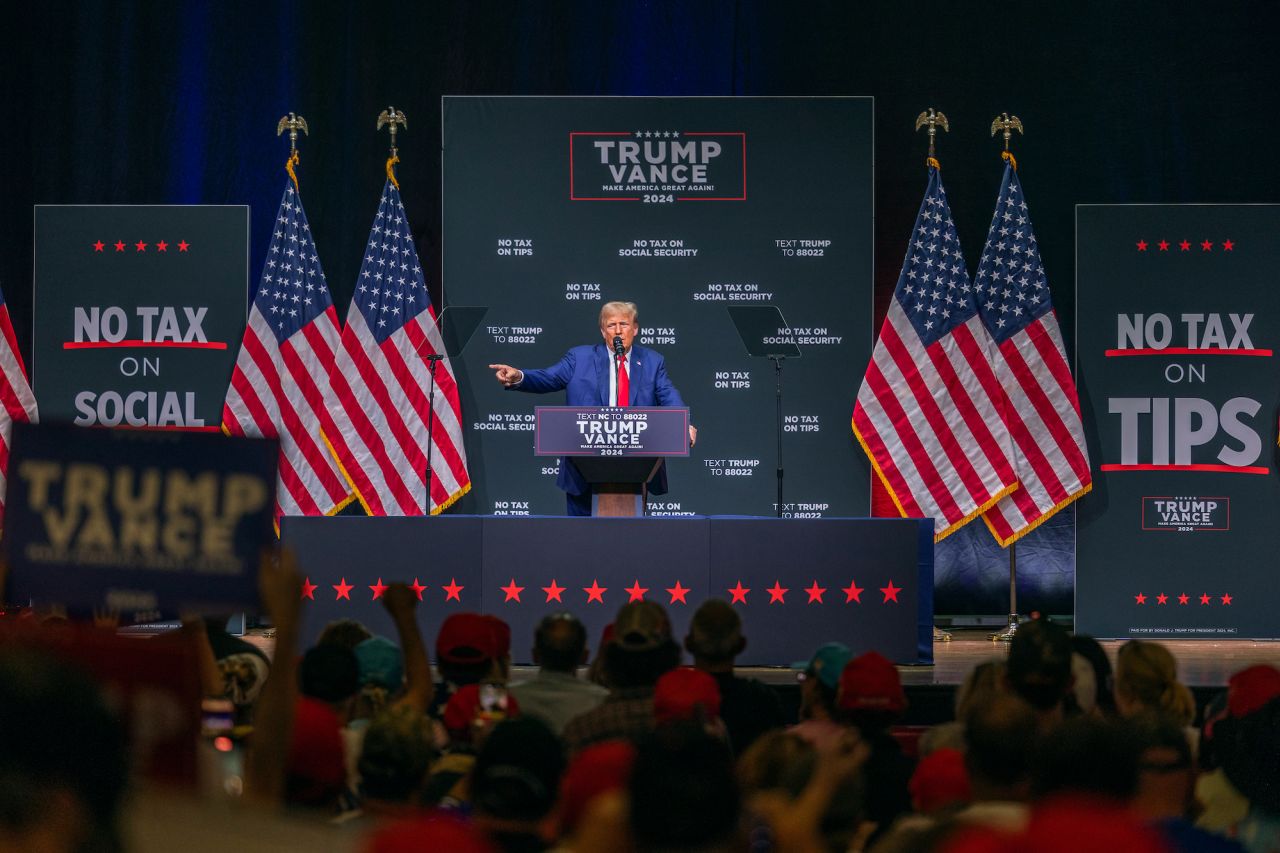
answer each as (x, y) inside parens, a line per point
(1204, 599)
(1227, 246)
(1206, 246)
(553, 592)
(1164, 245)
(678, 593)
(852, 592)
(635, 592)
(1162, 599)
(891, 593)
(182, 245)
(1185, 245)
(739, 593)
(453, 592)
(378, 589)
(816, 592)
(119, 244)
(140, 246)
(98, 246)
(595, 592)
(309, 589)
(777, 594)
(162, 246)
(1226, 598)
(343, 590)
(1142, 245)
(512, 591)
(1141, 598)
(1184, 598)
(418, 588)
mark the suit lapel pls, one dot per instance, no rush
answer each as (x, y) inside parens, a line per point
(602, 373)
(637, 366)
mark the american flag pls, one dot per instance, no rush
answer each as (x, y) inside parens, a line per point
(280, 387)
(929, 410)
(1043, 414)
(381, 381)
(15, 393)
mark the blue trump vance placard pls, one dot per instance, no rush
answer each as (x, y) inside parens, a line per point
(144, 523)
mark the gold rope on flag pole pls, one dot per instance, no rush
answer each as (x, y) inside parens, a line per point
(293, 123)
(390, 117)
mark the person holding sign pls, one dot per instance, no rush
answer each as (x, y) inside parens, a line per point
(614, 373)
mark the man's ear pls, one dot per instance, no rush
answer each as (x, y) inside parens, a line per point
(584, 657)
(690, 645)
(739, 646)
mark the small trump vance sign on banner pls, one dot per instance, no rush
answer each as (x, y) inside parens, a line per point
(144, 523)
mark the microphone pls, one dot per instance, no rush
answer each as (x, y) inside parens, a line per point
(618, 349)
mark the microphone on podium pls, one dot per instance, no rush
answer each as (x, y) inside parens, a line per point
(618, 349)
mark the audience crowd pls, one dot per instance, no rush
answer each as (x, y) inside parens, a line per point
(660, 745)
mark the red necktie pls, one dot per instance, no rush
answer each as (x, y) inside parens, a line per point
(624, 384)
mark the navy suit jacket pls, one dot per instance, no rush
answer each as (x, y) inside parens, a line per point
(583, 374)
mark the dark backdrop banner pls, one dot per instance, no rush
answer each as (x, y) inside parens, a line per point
(140, 312)
(1179, 389)
(686, 206)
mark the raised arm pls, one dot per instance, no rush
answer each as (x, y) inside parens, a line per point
(419, 687)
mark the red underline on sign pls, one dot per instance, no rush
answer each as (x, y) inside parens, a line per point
(1220, 469)
(131, 344)
(163, 428)
(1264, 353)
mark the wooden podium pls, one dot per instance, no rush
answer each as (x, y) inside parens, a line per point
(616, 450)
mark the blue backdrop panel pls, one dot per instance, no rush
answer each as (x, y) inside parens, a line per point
(361, 551)
(861, 582)
(577, 553)
(522, 568)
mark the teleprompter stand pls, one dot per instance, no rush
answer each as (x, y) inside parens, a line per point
(446, 339)
(766, 334)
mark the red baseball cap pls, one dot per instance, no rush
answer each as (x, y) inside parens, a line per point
(315, 764)
(597, 770)
(870, 682)
(685, 694)
(940, 780)
(1251, 688)
(464, 706)
(468, 638)
(434, 831)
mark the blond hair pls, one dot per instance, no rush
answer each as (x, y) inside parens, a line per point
(1147, 675)
(626, 309)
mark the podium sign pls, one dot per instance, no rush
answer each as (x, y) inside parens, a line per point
(610, 431)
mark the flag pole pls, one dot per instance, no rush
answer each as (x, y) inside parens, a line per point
(931, 119)
(1007, 123)
(390, 118)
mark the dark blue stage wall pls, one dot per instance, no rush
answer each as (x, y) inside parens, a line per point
(798, 583)
(124, 102)
(686, 206)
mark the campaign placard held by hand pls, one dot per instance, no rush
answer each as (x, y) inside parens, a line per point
(142, 523)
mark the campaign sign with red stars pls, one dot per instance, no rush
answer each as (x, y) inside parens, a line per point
(139, 310)
(797, 583)
(1178, 321)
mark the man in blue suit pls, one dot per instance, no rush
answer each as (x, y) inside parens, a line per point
(589, 377)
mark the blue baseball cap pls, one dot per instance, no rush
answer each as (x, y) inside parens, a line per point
(381, 663)
(827, 663)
